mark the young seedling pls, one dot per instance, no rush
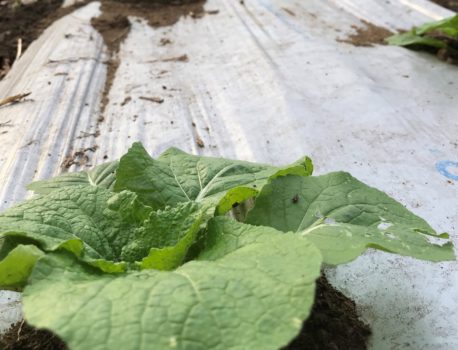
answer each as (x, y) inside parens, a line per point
(142, 253)
(440, 36)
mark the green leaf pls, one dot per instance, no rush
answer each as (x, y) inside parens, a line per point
(253, 296)
(441, 34)
(175, 231)
(301, 167)
(74, 218)
(105, 229)
(225, 235)
(409, 38)
(8, 243)
(16, 267)
(179, 177)
(129, 207)
(446, 24)
(233, 198)
(101, 176)
(343, 217)
(341, 243)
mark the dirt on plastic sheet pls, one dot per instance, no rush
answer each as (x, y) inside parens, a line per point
(367, 34)
(114, 26)
(21, 24)
(332, 325)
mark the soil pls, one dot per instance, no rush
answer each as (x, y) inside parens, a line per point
(367, 35)
(370, 34)
(25, 22)
(450, 4)
(332, 325)
(24, 337)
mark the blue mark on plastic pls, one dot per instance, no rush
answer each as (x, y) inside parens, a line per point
(442, 167)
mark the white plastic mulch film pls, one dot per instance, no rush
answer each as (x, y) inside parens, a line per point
(264, 81)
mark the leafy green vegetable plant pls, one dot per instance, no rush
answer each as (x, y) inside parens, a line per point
(441, 36)
(143, 253)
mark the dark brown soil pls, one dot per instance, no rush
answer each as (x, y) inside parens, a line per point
(367, 34)
(333, 325)
(450, 4)
(79, 157)
(24, 337)
(25, 22)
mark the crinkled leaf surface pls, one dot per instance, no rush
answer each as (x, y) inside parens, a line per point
(343, 217)
(103, 228)
(129, 207)
(253, 295)
(15, 268)
(102, 176)
(75, 213)
(166, 251)
(180, 177)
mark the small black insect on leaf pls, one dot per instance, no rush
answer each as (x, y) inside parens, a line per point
(235, 205)
(295, 199)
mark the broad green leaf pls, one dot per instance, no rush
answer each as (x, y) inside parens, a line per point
(176, 230)
(102, 176)
(343, 216)
(106, 229)
(233, 198)
(16, 267)
(225, 235)
(70, 214)
(341, 243)
(8, 243)
(238, 195)
(129, 207)
(254, 296)
(301, 167)
(180, 177)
